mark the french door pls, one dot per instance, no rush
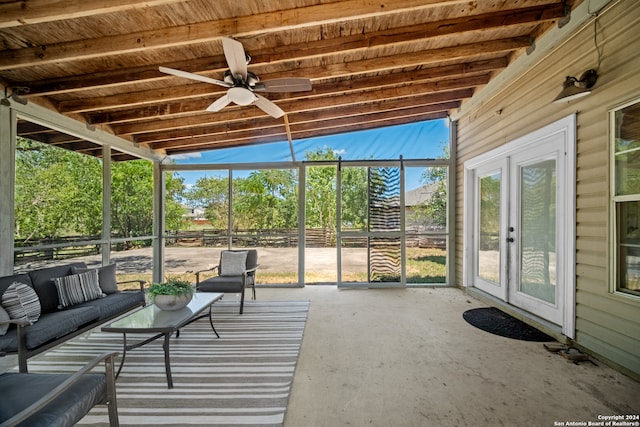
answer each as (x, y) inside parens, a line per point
(376, 230)
(519, 240)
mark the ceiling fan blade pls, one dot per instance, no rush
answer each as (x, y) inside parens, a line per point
(284, 84)
(236, 58)
(219, 103)
(192, 76)
(269, 107)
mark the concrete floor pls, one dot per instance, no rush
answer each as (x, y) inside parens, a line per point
(407, 358)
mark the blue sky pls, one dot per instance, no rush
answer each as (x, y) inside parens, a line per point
(423, 140)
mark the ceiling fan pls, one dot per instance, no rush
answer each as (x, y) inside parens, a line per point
(242, 84)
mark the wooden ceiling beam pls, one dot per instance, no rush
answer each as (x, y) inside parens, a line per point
(438, 92)
(295, 119)
(272, 54)
(77, 145)
(18, 13)
(202, 32)
(230, 143)
(410, 34)
(470, 53)
(26, 128)
(165, 109)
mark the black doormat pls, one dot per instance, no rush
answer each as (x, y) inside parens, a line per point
(497, 322)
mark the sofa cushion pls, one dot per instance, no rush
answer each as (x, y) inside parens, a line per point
(78, 288)
(49, 327)
(106, 277)
(4, 316)
(46, 290)
(21, 390)
(21, 302)
(115, 303)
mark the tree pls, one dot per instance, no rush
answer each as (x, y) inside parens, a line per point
(355, 193)
(173, 211)
(132, 199)
(267, 199)
(211, 194)
(59, 193)
(435, 209)
(321, 191)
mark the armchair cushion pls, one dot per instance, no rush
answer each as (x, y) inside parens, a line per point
(233, 263)
(20, 390)
(224, 284)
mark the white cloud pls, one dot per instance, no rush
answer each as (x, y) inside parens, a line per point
(186, 156)
(339, 152)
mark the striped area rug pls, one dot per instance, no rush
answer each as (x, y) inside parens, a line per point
(242, 379)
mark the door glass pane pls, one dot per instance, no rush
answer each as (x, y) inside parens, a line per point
(354, 194)
(353, 253)
(489, 242)
(384, 259)
(384, 216)
(384, 199)
(538, 230)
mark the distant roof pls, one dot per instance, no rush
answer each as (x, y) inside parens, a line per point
(419, 195)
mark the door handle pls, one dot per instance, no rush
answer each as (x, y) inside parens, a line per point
(510, 239)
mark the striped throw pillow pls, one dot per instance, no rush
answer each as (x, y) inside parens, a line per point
(4, 316)
(21, 302)
(78, 288)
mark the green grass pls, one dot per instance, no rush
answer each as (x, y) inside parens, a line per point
(424, 265)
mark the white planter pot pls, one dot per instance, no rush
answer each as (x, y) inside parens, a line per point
(172, 302)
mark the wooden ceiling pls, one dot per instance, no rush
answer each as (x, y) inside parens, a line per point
(372, 63)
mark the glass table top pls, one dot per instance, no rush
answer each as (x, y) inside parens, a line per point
(151, 318)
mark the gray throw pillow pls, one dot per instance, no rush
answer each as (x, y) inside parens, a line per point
(106, 277)
(233, 263)
(21, 302)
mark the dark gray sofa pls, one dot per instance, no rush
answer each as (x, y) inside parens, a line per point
(58, 400)
(57, 325)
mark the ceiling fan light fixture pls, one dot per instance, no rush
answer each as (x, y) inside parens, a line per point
(241, 96)
(574, 88)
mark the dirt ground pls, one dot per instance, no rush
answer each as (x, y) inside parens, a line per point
(185, 259)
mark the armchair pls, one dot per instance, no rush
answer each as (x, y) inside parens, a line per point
(58, 400)
(235, 272)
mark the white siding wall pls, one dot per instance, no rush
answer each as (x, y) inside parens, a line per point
(607, 324)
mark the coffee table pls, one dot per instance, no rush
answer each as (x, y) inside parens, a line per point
(161, 323)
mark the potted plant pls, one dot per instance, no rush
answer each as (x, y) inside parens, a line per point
(173, 294)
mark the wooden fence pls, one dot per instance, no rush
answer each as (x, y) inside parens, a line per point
(65, 247)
